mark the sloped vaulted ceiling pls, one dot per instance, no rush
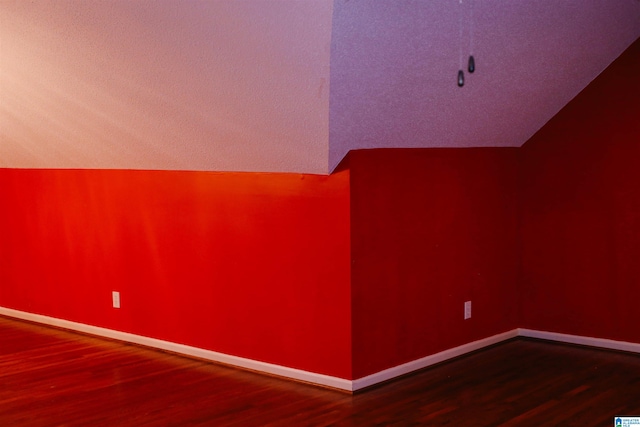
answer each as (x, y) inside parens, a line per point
(394, 68)
(287, 85)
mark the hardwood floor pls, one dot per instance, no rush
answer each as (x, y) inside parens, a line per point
(50, 377)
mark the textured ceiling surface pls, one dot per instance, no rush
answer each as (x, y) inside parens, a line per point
(394, 68)
(287, 85)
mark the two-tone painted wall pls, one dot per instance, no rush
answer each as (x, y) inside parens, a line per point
(353, 273)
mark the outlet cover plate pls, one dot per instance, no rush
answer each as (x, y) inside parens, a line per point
(115, 297)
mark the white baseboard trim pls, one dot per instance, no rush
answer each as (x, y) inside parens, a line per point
(581, 340)
(311, 377)
(427, 361)
(253, 365)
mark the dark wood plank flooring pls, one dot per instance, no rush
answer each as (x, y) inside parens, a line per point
(51, 377)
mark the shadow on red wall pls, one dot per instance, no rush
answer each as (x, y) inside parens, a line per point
(431, 229)
(581, 211)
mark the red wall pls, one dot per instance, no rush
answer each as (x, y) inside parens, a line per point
(254, 265)
(581, 211)
(431, 229)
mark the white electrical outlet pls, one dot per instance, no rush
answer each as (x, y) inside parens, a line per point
(467, 310)
(115, 297)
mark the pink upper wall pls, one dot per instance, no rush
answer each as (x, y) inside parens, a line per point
(164, 84)
(581, 211)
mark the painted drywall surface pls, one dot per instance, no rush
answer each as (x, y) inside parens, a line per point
(581, 211)
(164, 84)
(431, 229)
(244, 84)
(252, 265)
(394, 68)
